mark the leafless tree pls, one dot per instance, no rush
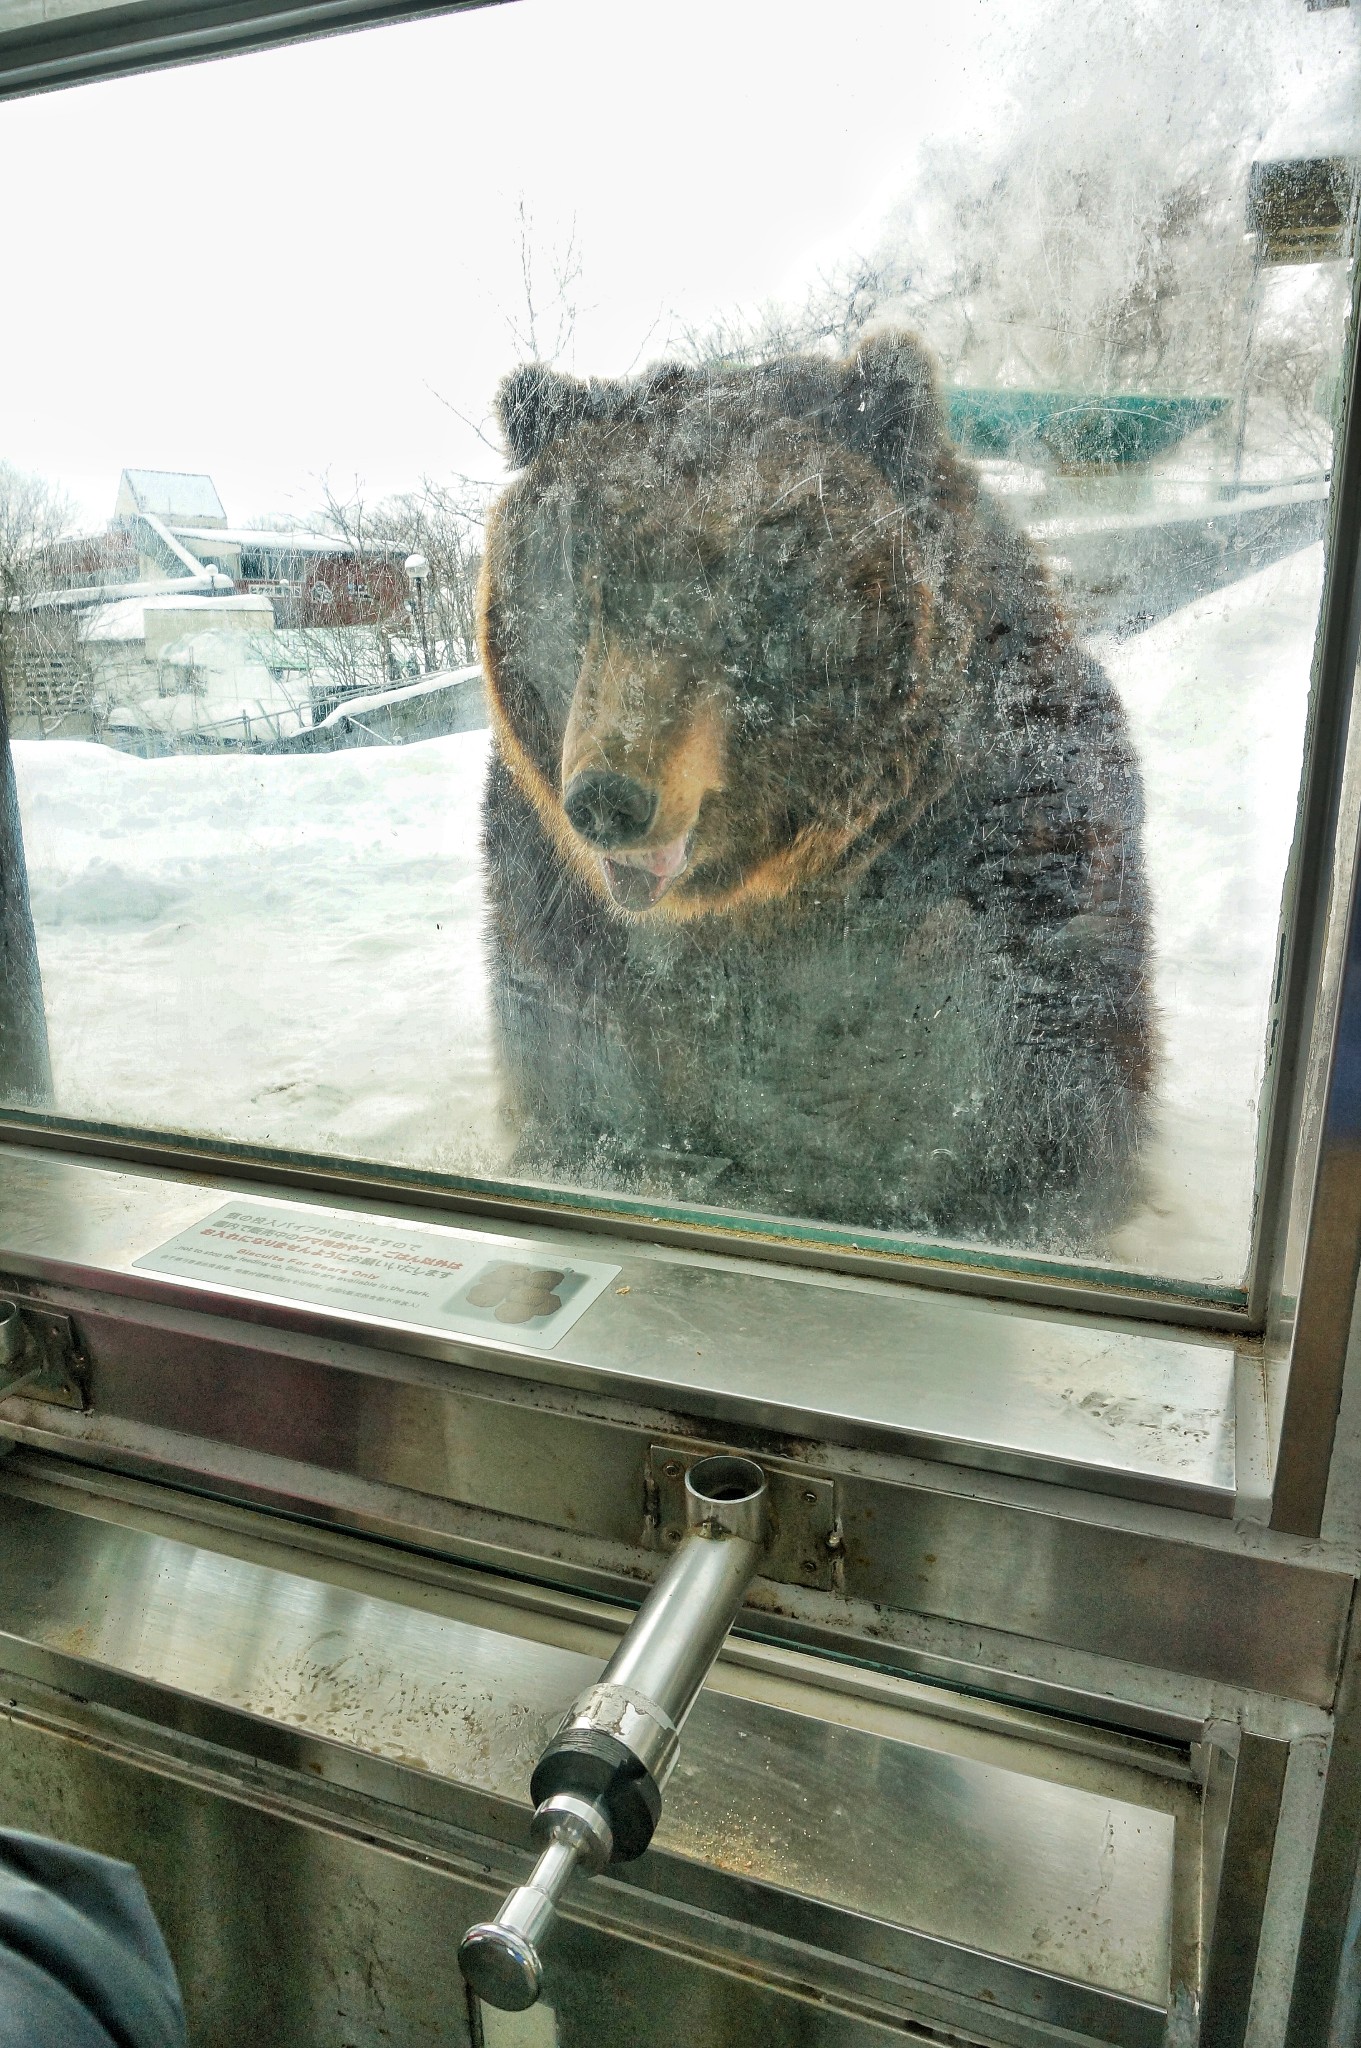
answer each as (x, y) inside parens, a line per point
(43, 668)
(541, 324)
(443, 523)
(355, 653)
(1081, 244)
(839, 306)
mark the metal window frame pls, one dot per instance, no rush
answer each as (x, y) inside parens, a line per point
(1304, 1285)
(56, 43)
(1174, 1573)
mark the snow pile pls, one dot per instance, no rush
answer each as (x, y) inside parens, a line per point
(288, 950)
(277, 949)
(1217, 696)
(222, 684)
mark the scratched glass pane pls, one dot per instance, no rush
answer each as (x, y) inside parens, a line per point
(683, 606)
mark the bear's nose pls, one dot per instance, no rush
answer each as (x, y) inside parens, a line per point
(609, 809)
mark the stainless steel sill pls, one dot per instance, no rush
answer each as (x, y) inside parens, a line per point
(1077, 1285)
(1075, 1399)
(552, 1466)
(935, 1868)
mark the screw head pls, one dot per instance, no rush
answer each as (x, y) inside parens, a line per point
(809, 1565)
(672, 1537)
(810, 1496)
(672, 1468)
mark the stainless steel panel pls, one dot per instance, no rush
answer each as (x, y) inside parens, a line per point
(1115, 1410)
(1042, 1897)
(1326, 1970)
(303, 1781)
(1252, 1620)
(302, 1936)
(540, 1480)
(280, 1933)
(1112, 1719)
(1242, 1826)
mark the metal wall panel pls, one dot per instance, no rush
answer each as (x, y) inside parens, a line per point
(1135, 1412)
(550, 1482)
(940, 1870)
(297, 1934)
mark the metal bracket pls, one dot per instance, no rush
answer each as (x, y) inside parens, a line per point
(806, 1547)
(44, 1361)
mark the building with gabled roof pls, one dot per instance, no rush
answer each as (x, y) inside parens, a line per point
(192, 631)
(169, 533)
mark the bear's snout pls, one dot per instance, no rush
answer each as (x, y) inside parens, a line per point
(608, 809)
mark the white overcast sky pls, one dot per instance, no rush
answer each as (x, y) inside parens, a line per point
(284, 266)
(276, 266)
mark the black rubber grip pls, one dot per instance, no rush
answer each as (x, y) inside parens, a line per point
(597, 1766)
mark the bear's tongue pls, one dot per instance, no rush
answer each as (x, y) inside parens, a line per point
(638, 880)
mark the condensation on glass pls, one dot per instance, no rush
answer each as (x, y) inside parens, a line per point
(649, 604)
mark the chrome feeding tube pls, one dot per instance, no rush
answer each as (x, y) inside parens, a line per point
(598, 1786)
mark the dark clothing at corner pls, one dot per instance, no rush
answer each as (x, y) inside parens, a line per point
(82, 1961)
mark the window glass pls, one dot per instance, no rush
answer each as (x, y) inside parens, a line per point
(673, 604)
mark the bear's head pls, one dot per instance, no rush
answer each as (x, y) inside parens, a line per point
(714, 602)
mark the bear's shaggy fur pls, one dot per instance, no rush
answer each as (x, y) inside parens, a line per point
(813, 839)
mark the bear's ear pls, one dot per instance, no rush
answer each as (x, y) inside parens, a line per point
(535, 405)
(889, 404)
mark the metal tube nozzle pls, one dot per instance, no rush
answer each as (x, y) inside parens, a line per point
(598, 1785)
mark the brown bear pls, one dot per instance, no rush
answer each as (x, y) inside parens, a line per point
(812, 836)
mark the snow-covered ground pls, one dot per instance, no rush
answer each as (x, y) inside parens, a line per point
(1217, 696)
(287, 950)
(278, 949)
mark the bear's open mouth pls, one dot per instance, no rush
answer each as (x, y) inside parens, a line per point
(638, 880)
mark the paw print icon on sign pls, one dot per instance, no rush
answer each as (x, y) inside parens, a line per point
(513, 1291)
(526, 1299)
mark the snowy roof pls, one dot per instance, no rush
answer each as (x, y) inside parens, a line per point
(445, 679)
(277, 543)
(126, 619)
(171, 494)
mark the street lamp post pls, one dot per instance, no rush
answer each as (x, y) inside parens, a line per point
(417, 575)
